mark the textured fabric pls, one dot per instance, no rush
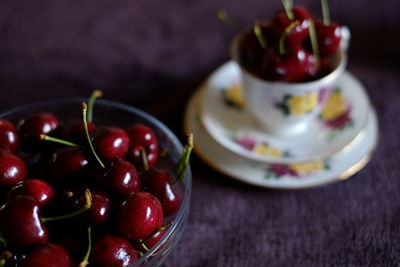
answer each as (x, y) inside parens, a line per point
(152, 54)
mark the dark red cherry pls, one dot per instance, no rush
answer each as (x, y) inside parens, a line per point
(110, 142)
(12, 169)
(329, 37)
(47, 255)
(153, 240)
(119, 178)
(36, 188)
(66, 162)
(281, 22)
(142, 138)
(75, 132)
(32, 127)
(100, 209)
(111, 250)
(8, 136)
(21, 223)
(158, 183)
(289, 68)
(139, 216)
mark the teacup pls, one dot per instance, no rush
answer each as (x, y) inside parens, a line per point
(283, 108)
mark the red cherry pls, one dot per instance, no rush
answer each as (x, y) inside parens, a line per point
(329, 37)
(47, 255)
(12, 169)
(100, 209)
(8, 136)
(66, 162)
(281, 21)
(21, 223)
(111, 250)
(142, 138)
(32, 127)
(119, 178)
(75, 132)
(38, 189)
(110, 142)
(139, 216)
(158, 183)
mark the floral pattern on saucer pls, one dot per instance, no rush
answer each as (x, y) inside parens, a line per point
(233, 96)
(249, 143)
(295, 170)
(336, 111)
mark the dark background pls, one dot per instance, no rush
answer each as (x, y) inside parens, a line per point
(152, 54)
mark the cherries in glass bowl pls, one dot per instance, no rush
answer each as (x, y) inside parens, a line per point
(49, 180)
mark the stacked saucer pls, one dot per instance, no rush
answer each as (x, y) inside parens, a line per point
(335, 146)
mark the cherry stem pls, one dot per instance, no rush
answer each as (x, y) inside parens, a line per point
(4, 257)
(161, 228)
(259, 34)
(288, 5)
(144, 159)
(314, 41)
(60, 141)
(92, 98)
(325, 12)
(88, 204)
(282, 48)
(223, 17)
(183, 162)
(3, 244)
(85, 261)
(85, 124)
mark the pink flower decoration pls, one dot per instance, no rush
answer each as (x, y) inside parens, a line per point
(246, 142)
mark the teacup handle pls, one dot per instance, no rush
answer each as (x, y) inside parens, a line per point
(346, 35)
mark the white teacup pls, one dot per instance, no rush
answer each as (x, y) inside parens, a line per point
(282, 108)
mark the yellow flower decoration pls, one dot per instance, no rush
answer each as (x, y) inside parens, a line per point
(302, 104)
(235, 95)
(307, 167)
(334, 107)
(263, 149)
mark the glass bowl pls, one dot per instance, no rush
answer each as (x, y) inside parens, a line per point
(113, 113)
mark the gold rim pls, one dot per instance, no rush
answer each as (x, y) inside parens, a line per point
(349, 172)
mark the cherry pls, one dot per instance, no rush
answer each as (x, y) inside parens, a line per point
(119, 177)
(12, 169)
(8, 136)
(142, 138)
(139, 216)
(111, 250)
(110, 142)
(75, 132)
(66, 162)
(328, 36)
(32, 127)
(47, 255)
(281, 21)
(38, 189)
(152, 240)
(99, 211)
(21, 223)
(158, 183)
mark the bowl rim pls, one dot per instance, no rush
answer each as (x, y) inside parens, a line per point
(173, 138)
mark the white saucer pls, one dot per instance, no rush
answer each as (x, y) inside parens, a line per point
(225, 117)
(283, 176)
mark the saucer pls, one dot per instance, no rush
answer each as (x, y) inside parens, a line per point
(225, 117)
(282, 176)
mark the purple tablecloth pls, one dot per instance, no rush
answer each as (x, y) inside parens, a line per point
(152, 54)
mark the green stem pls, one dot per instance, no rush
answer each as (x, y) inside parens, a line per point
(2, 262)
(325, 12)
(314, 42)
(288, 5)
(60, 141)
(92, 98)
(282, 48)
(161, 228)
(85, 261)
(183, 162)
(144, 159)
(259, 35)
(3, 243)
(85, 124)
(88, 204)
(223, 17)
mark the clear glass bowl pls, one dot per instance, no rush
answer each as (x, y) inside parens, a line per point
(112, 113)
